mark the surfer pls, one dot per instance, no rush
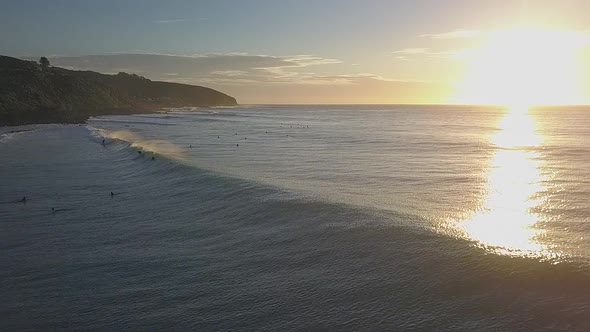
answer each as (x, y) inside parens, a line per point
(190, 146)
(103, 143)
(112, 194)
(153, 158)
(24, 199)
(52, 210)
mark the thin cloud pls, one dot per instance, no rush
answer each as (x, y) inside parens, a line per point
(309, 60)
(422, 53)
(412, 50)
(455, 34)
(178, 20)
(222, 68)
(229, 73)
(356, 79)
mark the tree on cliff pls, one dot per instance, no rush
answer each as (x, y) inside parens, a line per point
(44, 62)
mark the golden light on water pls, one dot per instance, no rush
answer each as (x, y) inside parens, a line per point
(505, 223)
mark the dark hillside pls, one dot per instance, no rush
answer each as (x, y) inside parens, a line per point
(30, 93)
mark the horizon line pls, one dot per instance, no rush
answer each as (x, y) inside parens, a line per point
(406, 104)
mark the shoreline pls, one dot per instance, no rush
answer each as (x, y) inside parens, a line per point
(63, 117)
(46, 116)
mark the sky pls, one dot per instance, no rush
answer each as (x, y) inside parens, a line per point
(322, 51)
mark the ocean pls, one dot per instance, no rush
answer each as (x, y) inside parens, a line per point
(274, 218)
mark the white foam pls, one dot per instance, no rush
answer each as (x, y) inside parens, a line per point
(162, 147)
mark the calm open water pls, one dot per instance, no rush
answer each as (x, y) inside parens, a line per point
(299, 218)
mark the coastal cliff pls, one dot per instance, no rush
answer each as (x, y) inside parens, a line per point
(32, 92)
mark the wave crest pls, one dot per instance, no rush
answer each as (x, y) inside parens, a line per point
(135, 140)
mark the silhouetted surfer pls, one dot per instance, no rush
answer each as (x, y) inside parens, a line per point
(153, 158)
(103, 143)
(190, 146)
(52, 210)
(24, 199)
(112, 194)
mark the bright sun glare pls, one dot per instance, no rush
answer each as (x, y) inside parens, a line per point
(523, 67)
(506, 221)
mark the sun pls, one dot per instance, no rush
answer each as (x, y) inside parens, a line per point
(522, 67)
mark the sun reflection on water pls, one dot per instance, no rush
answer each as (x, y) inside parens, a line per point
(506, 224)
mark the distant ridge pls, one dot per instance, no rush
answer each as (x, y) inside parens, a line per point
(34, 93)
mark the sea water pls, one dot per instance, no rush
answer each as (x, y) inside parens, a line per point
(299, 218)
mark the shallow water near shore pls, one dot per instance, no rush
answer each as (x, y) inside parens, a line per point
(300, 217)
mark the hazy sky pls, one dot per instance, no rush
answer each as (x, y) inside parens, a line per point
(290, 51)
